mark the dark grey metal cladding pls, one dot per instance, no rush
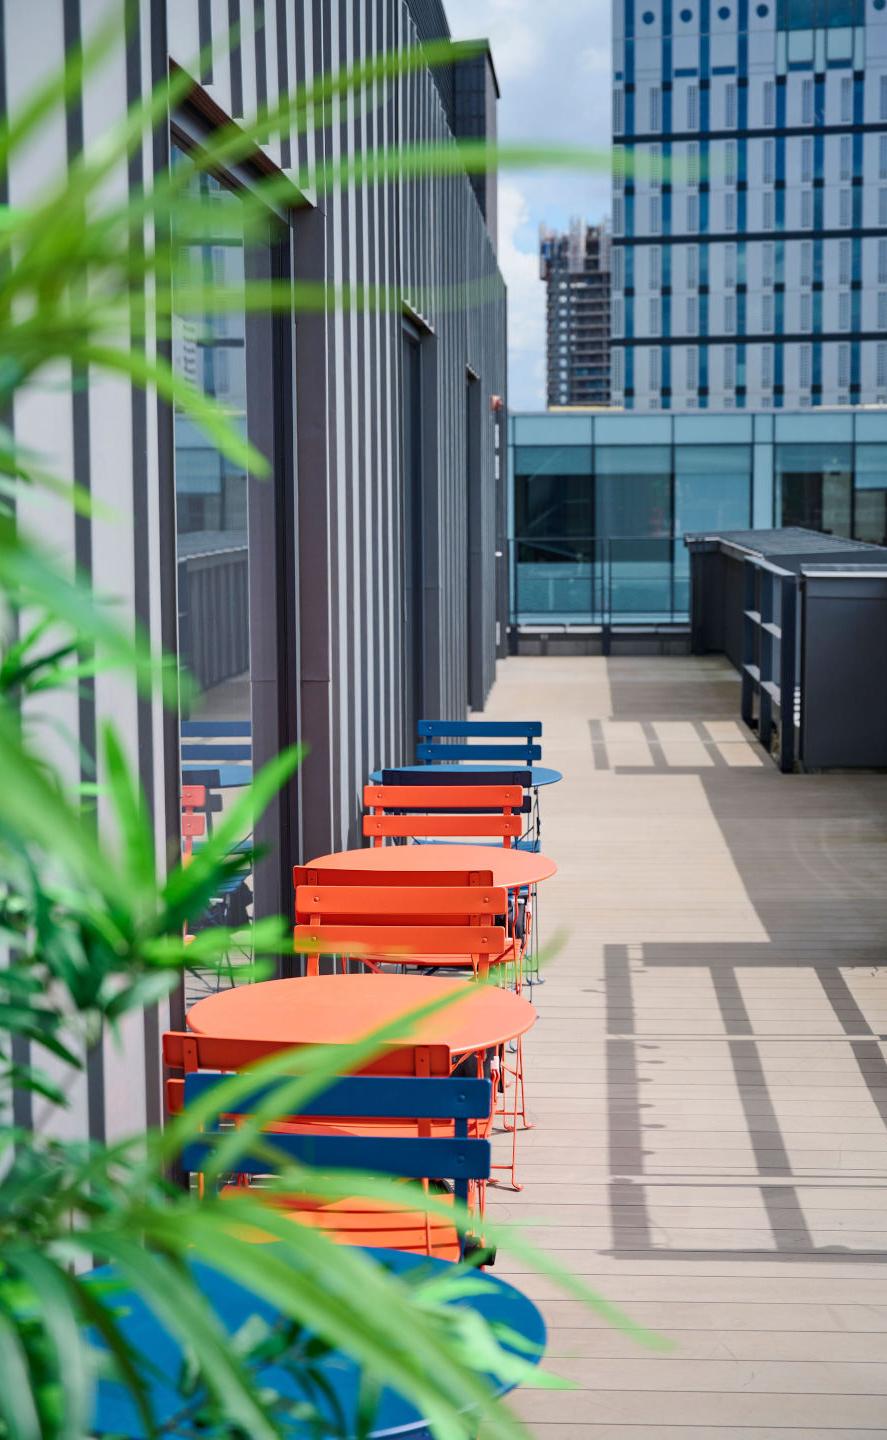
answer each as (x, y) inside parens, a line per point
(803, 617)
(415, 243)
(843, 669)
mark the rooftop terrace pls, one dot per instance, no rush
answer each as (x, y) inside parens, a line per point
(709, 1071)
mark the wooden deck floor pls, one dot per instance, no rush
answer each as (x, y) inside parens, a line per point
(708, 1075)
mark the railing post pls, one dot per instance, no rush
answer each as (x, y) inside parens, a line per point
(788, 665)
(607, 617)
(748, 642)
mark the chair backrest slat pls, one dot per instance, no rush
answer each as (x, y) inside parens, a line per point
(398, 943)
(366, 1097)
(452, 775)
(438, 752)
(183, 1050)
(463, 729)
(405, 879)
(386, 903)
(210, 729)
(216, 752)
(443, 797)
(408, 1158)
(424, 826)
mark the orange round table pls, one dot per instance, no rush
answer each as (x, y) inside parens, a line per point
(339, 1009)
(512, 868)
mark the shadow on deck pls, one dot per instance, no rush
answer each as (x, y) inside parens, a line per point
(708, 1073)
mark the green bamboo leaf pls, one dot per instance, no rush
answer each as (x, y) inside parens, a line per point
(182, 1309)
(88, 1298)
(16, 1391)
(34, 579)
(139, 993)
(235, 825)
(60, 1324)
(349, 1301)
(31, 807)
(271, 936)
(202, 409)
(29, 1077)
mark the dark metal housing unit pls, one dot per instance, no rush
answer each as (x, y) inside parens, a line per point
(803, 617)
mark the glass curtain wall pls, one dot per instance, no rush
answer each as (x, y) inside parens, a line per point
(633, 523)
(212, 512)
(413, 441)
(814, 486)
(554, 562)
(870, 494)
(712, 491)
(599, 527)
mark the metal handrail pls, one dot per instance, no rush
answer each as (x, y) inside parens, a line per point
(599, 554)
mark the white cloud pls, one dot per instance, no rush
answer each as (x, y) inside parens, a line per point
(509, 26)
(526, 301)
(596, 60)
(552, 58)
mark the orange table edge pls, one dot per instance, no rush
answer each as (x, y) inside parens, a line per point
(339, 1009)
(511, 868)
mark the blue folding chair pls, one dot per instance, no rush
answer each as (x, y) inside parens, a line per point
(220, 752)
(363, 1123)
(436, 740)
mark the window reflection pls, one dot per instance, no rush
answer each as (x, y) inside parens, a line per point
(870, 511)
(212, 529)
(633, 491)
(712, 491)
(813, 485)
(553, 502)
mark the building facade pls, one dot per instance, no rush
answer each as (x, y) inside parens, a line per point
(356, 588)
(600, 503)
(576, 271)
(750, 204)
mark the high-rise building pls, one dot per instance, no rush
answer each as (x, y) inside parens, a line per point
(576, 271)
(749, 203)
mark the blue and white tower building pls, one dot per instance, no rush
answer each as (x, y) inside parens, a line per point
(749, 261)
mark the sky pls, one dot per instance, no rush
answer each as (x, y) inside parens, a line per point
(552, 58)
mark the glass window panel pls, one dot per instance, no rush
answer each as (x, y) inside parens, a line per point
(532, 460)
(632, 490)
(813, 486)
(212, 522)
(769, 102)
(870, 517)
(712, 487)
(712, 491)
(553, 495)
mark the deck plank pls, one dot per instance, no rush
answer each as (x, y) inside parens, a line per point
(708, 1075)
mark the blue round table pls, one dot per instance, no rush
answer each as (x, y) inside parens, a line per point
(541, 774)
(115, 1413)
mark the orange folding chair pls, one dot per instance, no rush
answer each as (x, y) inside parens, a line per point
(428, 926)
(443, 811)
(193, 817)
